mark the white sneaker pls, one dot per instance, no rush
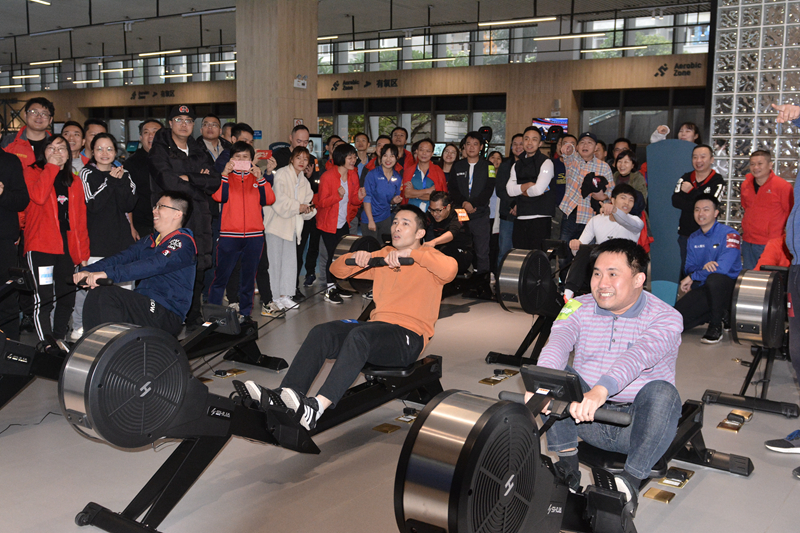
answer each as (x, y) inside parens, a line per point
(272, 310)
(278, 302)
(288, 303)
(234, 306)
(76, 335)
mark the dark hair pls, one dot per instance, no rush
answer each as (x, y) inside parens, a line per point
(227, 125)
(622, 140)
(630, 154)
(532, 128)
(440, 196)
(182, 202)
(472, 135)
(400, 128)
(44, 102)
(146, 121)
(623, 188)
(418, 214)
(637, 258)
(360, 134)
(237, 129)
(332, 137)
(708, 197)
(300, 127)
(565, 135)
(96, 138)
(710, 150)
(495, 152)
(692, 126)
(77, 125)
(603, 144)
(341, 152)
(520, 135)
(456, 148)
(65, 174)
(212, 115)
(391, 148)
(94, 122)
(298, 151)
(757, 153)
(241, 146)
(383, 137)
(427, 140)
(414, 148)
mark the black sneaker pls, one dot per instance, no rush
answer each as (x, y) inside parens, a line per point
(570, 476)
(796, 472)
(791, 444)
(26, 324)
(309, 281)
(265, 397)
(713, 334)
(367, 295)
(632, 495)
(726, 320)
(332, 296)
(306, 408)
(298, 296)
(345, 293)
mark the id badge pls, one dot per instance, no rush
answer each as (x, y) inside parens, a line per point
(46, 275)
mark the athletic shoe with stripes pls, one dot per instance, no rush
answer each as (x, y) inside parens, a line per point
(306, 408)
(791, 444)
(264, 396)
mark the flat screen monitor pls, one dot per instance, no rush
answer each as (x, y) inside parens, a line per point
(132, 146)
(438, 148)
(545, 123)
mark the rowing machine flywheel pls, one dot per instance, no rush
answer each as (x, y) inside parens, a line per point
(526, 283)
(758, 311)
(354, 243)
(469, 465)
(124, 384)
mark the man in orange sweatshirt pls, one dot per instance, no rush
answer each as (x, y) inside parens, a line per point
(406, 308)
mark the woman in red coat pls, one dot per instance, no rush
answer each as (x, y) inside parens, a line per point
(337, 204)
(56, 238)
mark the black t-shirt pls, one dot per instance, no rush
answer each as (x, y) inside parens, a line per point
(62, 197)
(38, 148)
(461, 237)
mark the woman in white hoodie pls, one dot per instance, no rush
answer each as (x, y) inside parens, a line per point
(283, 225)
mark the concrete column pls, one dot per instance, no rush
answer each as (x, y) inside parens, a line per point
(275, 41)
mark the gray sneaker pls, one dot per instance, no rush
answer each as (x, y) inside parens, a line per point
(791, 444)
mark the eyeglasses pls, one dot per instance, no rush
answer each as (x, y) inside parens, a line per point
(159, 206)
(211, 125)
(60, 149)
(37, 113)
(109, 149)
(184, 121)
(436, 211)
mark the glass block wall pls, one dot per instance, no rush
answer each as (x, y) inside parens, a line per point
(756, 64)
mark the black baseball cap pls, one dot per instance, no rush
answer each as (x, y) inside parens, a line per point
(180, 110)
(589, 134)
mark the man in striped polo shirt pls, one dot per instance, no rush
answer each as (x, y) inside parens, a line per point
(626, 344)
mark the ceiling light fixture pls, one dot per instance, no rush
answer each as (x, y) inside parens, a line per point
(104, 71)
(227, 62)
(613, 49)
(77, 82)
(24, 76)
(189, 75)
(43, 2)
(327, 38)
(165, 52)
(518, 21)
(431, 60)
(576, 36)
(53, 61)
(10, 86)
(370, 50)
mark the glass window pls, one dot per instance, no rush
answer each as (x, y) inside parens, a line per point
(355, 59)
(387, 60)
(381, 125)
(452, 128)
(495, 120)
(456, 46)
(639, 125)
(603, 123)
(495, 46)
(420, 126)
(325, 126)
(355, 124)
(325, 58)
(421, 48)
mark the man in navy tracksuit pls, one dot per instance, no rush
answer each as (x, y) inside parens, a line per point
(164, 263)
(713, 262)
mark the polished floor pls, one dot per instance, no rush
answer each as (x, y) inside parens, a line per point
(49, 471)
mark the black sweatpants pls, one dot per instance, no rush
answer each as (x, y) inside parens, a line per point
(578, 275)
(794, 318)
(352, 344)
(118, 305)
(529, 234)
(481, 233)
(9, 305)
(706, 303)
(310, 235)
(331, 240)
(51, 274)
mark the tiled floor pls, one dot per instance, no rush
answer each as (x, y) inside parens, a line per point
(49, 471)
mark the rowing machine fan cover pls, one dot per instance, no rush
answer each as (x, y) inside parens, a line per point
(526, 283)
(354, 243)
(758, 309)
(469, 465)
(125, 384)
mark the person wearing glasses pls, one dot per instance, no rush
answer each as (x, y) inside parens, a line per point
(110, 194)
(210, 130)
(178, 162)
(28, 142)
(164, 264)
(445, 232)
(56, 238)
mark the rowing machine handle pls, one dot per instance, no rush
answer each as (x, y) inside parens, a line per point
(379, 261)
(607, 416)
(105, 282)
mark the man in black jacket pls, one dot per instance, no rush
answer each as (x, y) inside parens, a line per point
(179, 162)
(136, 164)
(13, 199)
(703, 180)
(445, 232)
(507, 209)
(471, 186)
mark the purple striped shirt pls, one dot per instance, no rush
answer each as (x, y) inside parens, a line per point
(622, 353)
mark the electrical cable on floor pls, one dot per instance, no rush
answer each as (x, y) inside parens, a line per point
(34, 424)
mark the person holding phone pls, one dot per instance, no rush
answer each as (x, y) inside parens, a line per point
(242, 194)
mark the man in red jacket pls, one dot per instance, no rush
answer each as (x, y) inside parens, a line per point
(27, 143)
(767, 200)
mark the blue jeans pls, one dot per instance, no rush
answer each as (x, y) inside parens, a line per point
(504, 239)
(751, 253)
(655, 412)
